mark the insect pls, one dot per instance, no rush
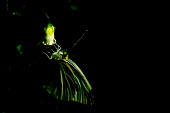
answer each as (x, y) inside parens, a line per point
(73, 84)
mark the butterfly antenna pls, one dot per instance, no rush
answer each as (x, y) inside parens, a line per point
(46, 15)
(79, 39)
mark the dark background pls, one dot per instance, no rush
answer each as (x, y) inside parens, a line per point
(115, 53)
(70, 26)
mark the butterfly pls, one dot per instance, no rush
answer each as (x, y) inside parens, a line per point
(72, 84)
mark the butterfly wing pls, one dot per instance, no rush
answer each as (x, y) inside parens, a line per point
(71, 84)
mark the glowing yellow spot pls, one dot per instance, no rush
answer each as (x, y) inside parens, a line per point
(49, 37)
(50, 29)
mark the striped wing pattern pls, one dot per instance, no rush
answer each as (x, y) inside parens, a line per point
(72, 86)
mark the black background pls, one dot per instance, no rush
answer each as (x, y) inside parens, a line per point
(115, 53)
(70, 26)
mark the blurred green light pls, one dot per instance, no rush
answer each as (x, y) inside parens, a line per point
(19, 49)
(74, 7)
